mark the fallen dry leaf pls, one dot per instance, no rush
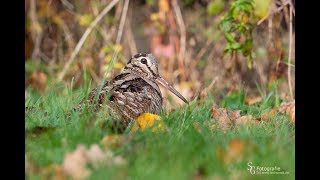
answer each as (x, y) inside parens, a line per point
(221, 115)
(38, 80)
(114, 140)
(53, 171)
(59, 173)
(228, 117)
(251, 100)
(75, 163)
(95, 155)
(268, 115)
(289, 109)
(245, 119)
(234, 151)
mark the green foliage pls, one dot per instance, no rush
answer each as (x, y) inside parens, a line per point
(237, 27)
(234, 100)
(151, 2)
(261, 8)
(187, 2)
(214, 7)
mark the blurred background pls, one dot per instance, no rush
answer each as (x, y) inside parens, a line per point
(203, 46)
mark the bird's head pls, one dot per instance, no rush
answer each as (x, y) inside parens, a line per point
(145, 66)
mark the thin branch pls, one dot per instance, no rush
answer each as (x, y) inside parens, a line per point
(182, 29)
(37, 35)
(270, 24)
(84, 37)
(122, 21)
(292, 6)
(273, 12)
(286, 13)
(290, 52)
(67, 4)
(181, 25)
(115, 53)
(130, 37)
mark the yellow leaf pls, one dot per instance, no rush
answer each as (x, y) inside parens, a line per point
(85, 20)
(108, 58)
(118, 47)
(154, 16)
(118, 65)
(163, 6)
(147, 120)
(261, 7)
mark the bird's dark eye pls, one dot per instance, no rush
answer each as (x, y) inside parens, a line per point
(143, 61)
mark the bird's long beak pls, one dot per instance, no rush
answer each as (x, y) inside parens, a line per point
(171, 88)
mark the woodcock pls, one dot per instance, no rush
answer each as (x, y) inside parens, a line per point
(134, 91)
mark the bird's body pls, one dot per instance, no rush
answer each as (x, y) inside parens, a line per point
(133, 92)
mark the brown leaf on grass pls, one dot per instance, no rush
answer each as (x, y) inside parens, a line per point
(267, 115)
(114, 140)
(228, 117)
(75, 163)
(234, 151)
(289, 109)
(95, 155)
(223, 116)
(53, 171)
(59, 173)
(245, 119)
(38, 80)
(251, 100)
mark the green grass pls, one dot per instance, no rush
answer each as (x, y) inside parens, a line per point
(181, 153)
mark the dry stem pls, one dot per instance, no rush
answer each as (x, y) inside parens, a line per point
(290, 52)
(84, 37)
(122, 20)
(182, 29)
(130, 37)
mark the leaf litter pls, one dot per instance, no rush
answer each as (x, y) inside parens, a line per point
(75, 162)
(227, 118)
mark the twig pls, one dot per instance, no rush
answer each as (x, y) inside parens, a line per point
(67, 4)
(68, 34)
(272, 13)
(286, 14)
(129, 35)
(115, 53)
(290, 52)
(181, 25)
(182, 29)
(84, 37)
(292, 6)
(104, 34)
(122, 21)
(270, 23)
(37, 36)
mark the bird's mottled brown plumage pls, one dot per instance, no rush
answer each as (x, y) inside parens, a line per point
(134, 91)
